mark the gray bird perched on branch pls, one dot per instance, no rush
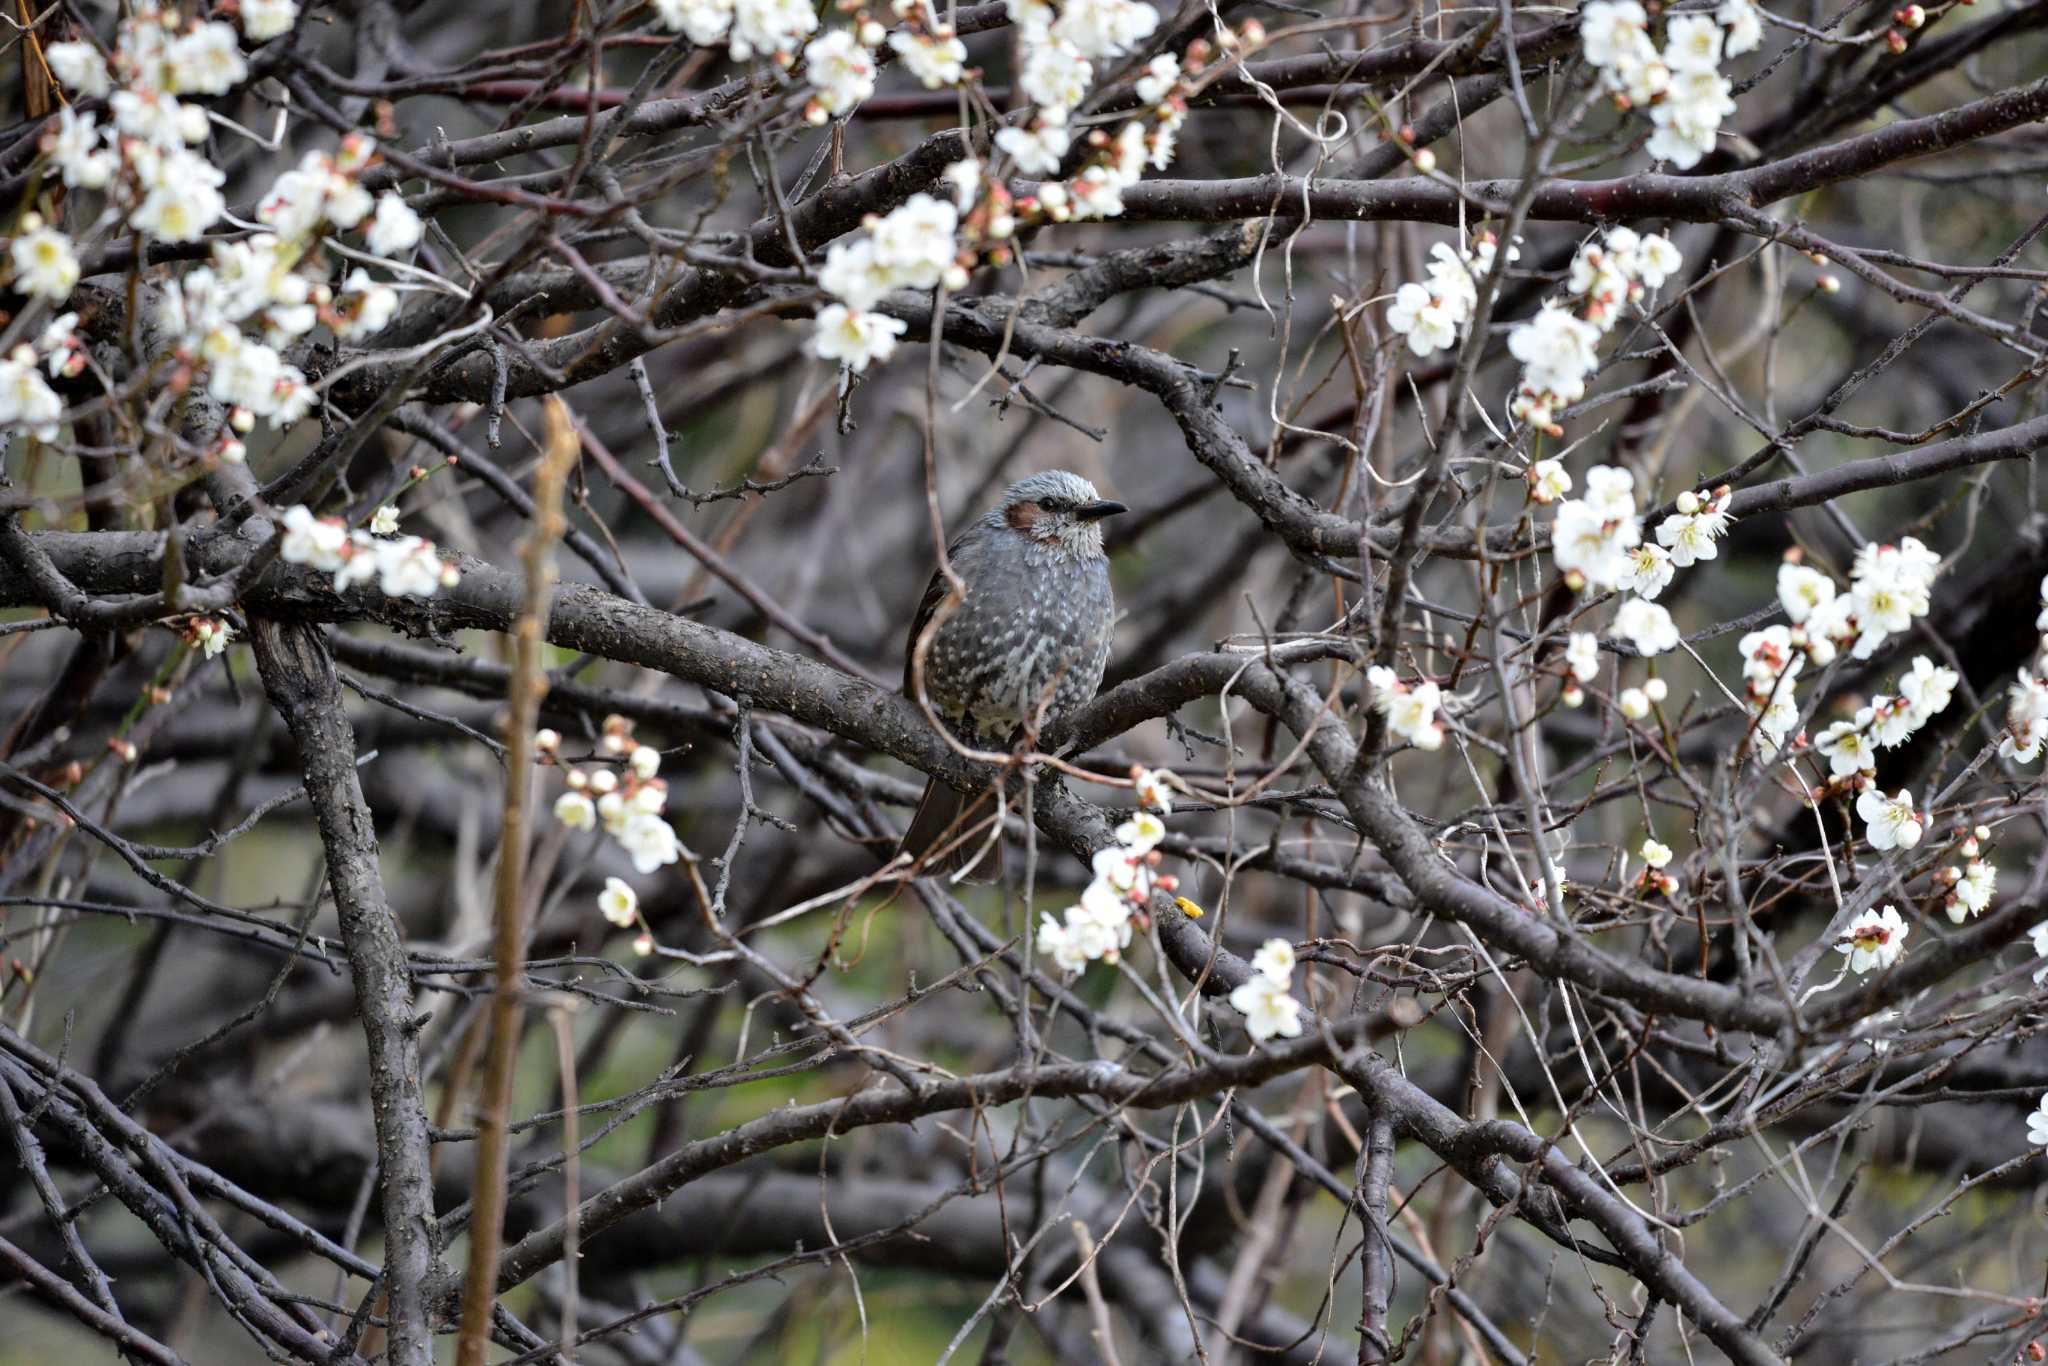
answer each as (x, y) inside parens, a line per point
(1026, 646)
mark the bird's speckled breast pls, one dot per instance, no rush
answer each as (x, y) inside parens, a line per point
(1036, 620)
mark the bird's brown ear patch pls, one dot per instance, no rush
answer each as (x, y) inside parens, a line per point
(1022, 516)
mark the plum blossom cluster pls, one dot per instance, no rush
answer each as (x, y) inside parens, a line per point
(1890, 586)
(628, 801)
(1559, 347)
(745, 27)
(26, 399)
(2026, 716)
(932, 240)
(1593, 537)
(1410, 708)
(1431, 313)
(401, 566)
(143, 157)
(275, 281)
(1680, 85)
(1972, 885)
(911, 247)
(1060, 47)
(1126, 874)
(1874, 940)
(1888, 721)
(1264, 999)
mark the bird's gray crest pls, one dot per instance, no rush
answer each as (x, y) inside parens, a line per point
(1058, 486)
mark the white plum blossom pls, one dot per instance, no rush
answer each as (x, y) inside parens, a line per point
(2039, 934)
(395, 228)
(1548, 481)
(1691, 532)
(1141, 833)
(207, 60)
(1802, 590)
(1892, 822)
(840, 69)
(1161, 74)
(1267, 1008)
(1874, 940)
(80, 68)
(1745, 27)
(1648, 571)
(384, 522)
(1410, 708)
(1275, 959)
(1655, 854)
(25, 399)
(1645, 625)
(1848, 747)
(2026, 719)
(1067, 950)
(76, 144)
(1154, 788)
(1427, 321)
(263, 20)
(575, 810)
(856, 340)
(650, 841)
(619, 903)
(1970, 893)
(937, 61)
(1582, 655)
(2037, 1124)
(1692, 42)
(44, 263)
(1036, 150)
(1614, 33)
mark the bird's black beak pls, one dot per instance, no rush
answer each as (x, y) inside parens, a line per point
(1096, 511)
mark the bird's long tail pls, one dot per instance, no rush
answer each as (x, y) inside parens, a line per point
(950, 831)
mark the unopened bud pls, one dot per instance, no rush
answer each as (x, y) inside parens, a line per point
(1895, 39)
(1912, 16)
(1656, 690)
(1574, 580)
(955, 279)
(1982, 832)
(1573, 696)
(1829, 284)
(1688, 502)
(123, 749)
(547, 741)
(242, 420)
(1425, 161)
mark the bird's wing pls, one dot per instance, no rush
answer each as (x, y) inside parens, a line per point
(934, 594)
